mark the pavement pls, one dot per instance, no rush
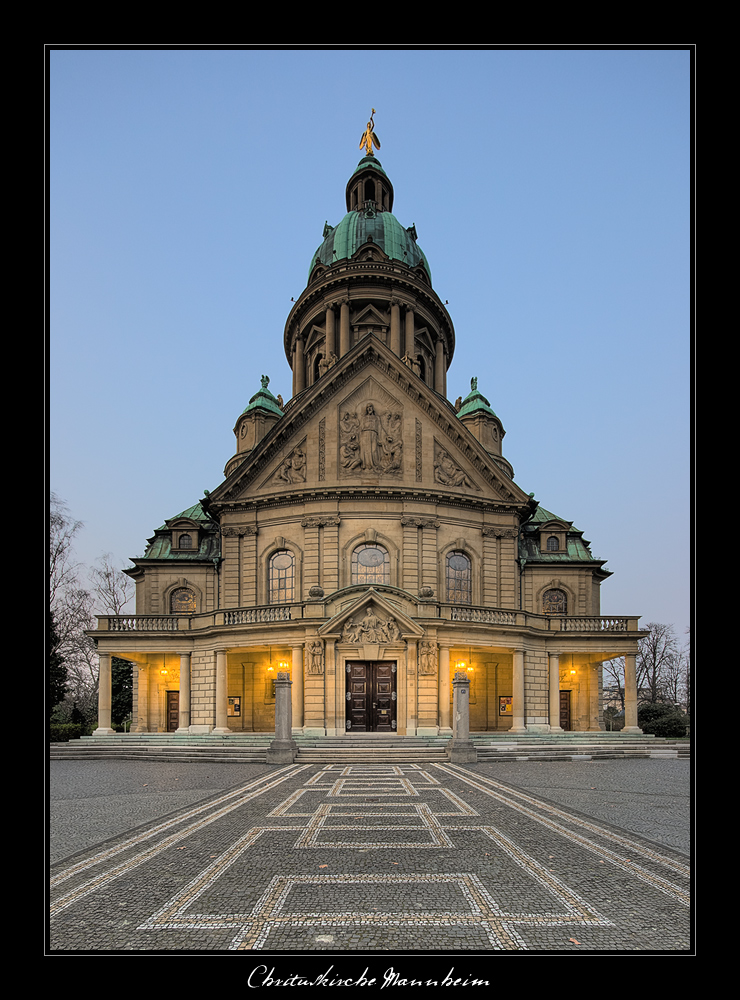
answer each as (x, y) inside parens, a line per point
(377, 875)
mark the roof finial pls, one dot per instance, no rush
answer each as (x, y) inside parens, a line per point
(369, 138)
(474, 384)
(265, 380)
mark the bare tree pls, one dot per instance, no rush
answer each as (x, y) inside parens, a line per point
(111, 586)
(655, 658)
(63, 571)
(614, 676)
(70, 604)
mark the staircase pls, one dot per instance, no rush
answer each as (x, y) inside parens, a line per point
(368, 748)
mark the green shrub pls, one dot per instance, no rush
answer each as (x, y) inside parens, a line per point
(64, 732)
(668, 726)
(646, 714)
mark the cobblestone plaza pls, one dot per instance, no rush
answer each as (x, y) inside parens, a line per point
(401, 859)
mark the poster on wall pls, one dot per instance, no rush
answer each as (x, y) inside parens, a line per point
(235, 706)
(504, 705)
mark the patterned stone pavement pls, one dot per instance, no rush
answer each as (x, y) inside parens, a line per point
(394, 858)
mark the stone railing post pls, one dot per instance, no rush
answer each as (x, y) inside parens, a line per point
(283, 747)
(460, 749)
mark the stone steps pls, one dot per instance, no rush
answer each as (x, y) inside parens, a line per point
(366, 749)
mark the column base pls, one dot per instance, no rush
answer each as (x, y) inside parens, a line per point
(633, 730)
(221, 731)
(281, 752)
(427, 731)
(556, 729)
(462, 752)
(104, 732)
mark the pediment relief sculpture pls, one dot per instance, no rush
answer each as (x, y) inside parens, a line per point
(292, 469)
(370, 440)
(447, 472)
(372, 628)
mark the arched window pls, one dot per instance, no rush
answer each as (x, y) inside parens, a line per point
(282, 577)
(371, 565)
(182, 602)
(553, 545)
(185, 542)
(555, 602)
(459, 578)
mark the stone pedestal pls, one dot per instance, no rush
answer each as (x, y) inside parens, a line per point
(283, 747)
(460, 749)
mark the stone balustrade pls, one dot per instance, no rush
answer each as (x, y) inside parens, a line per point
(446, 612)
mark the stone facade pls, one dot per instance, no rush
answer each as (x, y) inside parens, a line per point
(368, 539)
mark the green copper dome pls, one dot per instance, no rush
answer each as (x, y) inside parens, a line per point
(357, 228)
(370, 223)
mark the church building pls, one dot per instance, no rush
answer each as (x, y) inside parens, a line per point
(368, 537)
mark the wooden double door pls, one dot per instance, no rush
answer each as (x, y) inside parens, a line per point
(371, 696)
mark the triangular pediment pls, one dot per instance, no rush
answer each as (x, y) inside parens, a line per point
(371, 619)
(370, 423)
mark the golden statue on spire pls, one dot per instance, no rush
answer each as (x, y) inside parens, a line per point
(369, 138)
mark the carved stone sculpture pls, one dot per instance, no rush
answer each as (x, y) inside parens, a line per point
(293, 468)
(448, 473)
(427, 658)
(371, 629)
(370, 441)
(315, 650)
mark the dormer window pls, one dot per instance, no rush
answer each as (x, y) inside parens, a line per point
(555, 602)
(185, 542)
(553, 544)
(182, 601)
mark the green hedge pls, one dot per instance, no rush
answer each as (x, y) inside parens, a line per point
(63, 732)
(661, 719)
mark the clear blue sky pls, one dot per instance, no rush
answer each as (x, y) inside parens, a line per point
(550, 190)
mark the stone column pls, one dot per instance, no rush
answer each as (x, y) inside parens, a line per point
(396, 328)
(444, 690)
(334, 725)
(517, 722)
(283, 747)
(593, 698)
(184, 720)
(297, 689)
(222, 693)
(412, 686)
(555, 726)
(142, 700)
(331, 342)
(460, 749)
(409, 341)
(630, 695)
(344, 328)
(299, 367)
(104, 697)
(439, 368)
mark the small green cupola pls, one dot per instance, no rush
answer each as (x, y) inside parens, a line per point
(476, 413)
(261, 414)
